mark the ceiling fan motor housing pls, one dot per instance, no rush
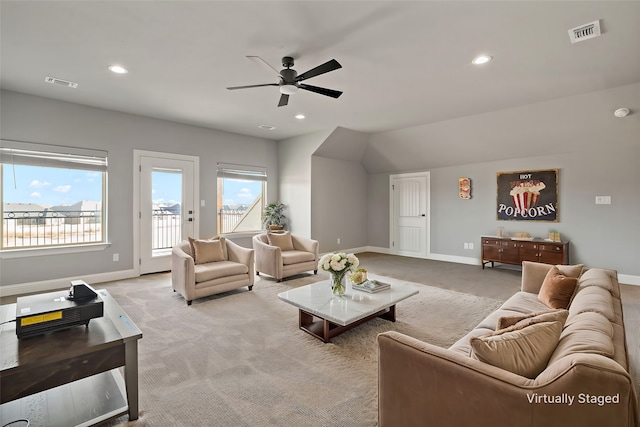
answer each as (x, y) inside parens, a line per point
(288, 76)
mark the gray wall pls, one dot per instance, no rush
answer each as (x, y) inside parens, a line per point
(34, 119)
(338, 203)
(605, 236)
(294, 157)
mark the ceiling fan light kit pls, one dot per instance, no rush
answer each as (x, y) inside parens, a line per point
(288, 89)
(290, 81)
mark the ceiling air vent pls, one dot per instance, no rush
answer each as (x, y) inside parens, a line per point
(584, 32)
(60, 82)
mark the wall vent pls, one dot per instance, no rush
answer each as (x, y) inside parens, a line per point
(61, 82)
(585, 32)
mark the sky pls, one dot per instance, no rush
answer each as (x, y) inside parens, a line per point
(238, 192)
(49, 186)
(55, 187)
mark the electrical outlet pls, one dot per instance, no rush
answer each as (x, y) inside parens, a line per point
(466, 245)
(338, 240)
(603, 200)
(471, 245)
(116, 257)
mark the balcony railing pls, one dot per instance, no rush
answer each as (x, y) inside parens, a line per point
(24, 229)
(166, 229)
(28, 229)
(229, 218)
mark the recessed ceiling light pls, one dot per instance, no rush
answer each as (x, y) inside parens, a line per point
(118, 69)
(300, 116)
(267, 127)
(481, 59)
(621, 112)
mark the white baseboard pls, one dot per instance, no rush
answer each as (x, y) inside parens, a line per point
(62, 283)
(628, 279)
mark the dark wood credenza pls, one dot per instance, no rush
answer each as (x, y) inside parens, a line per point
(510, 251)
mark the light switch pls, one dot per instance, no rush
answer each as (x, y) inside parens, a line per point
(202, 202)
(603, 200)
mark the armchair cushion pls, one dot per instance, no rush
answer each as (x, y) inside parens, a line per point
(217, 270)
(281, 240)
(205, 251)
(296, 257)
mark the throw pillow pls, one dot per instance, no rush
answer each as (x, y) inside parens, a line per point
(281, 240)
(205, 251)
(529, 319)
(557, 289)
(524, 352)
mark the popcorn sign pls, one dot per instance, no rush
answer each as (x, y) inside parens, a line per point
(528, 196)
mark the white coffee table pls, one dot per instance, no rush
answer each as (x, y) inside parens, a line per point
(324, 315)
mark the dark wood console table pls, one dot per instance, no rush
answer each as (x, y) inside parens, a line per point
(513, 251)
(75, 370)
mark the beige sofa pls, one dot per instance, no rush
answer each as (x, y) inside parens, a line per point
(234, 268)
(585, 381)
(285, 255)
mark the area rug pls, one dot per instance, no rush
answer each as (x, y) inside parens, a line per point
(239, 359)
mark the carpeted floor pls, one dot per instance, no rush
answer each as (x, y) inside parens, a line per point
(239, 359)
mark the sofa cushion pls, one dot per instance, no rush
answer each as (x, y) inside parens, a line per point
(205, 251)
(529, 319)
(533, 274)
(216, 270)
(524, 351)
(596, 277)
(281, 240)
(595, 299)
(585, 333)
(296, 257)
(557, 289)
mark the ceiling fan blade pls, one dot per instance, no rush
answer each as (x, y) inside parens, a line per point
(321, 90)
(284, 100)
(246, 87)
(262, 63)
(320, 69)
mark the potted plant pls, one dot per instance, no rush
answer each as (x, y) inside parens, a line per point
(273, 218)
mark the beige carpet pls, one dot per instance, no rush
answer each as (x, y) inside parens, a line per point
(239, 359)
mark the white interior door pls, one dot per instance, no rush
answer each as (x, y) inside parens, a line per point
(167, 214)
(409, 215)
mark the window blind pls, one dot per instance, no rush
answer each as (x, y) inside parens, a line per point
(55, 156)
(250, 173)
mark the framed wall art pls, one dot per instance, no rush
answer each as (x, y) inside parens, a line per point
(527, 195)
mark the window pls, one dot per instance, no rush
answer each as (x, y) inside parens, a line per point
(51, 195)
(241, 194)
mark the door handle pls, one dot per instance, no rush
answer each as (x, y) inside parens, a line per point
(423, 215)
(190, 219)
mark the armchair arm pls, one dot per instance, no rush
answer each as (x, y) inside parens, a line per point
(305, 244)
(268, 258)
(183, 277)
(242, 255)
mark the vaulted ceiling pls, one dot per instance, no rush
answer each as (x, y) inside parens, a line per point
(404, 63)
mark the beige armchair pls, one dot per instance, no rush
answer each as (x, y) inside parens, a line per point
(200, 268)
(282, 255)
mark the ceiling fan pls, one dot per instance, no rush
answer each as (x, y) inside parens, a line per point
(290, 81)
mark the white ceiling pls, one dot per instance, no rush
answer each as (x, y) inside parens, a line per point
(404, 63)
